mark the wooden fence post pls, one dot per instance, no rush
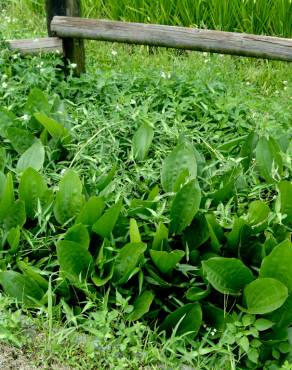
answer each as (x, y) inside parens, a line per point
(73, 48)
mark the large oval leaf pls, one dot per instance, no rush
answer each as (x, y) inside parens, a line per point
(78, 233)
(269, 159)
(91, 211)
(7, 199)
(179, 165)
(141, 305)
(33, 189)
(69, 199)
(126, 261)
(285, 199)
(185, 206)
(265, 295)
(191, 320)
(142, 140)
(258, 213)
(15, 216)
(21, 287)
(74, 260)
(278, 264)
(166, 261)
(227, 275)
(33, 157)
(20, 139)
(106, 223)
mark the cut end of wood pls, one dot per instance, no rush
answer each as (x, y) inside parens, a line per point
(38, 45)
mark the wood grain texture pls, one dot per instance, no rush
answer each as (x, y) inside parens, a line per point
(34, 46)
(175, 37)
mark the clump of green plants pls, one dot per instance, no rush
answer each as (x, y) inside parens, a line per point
(208, 244)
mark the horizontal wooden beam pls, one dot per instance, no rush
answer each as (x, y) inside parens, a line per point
(175, 37)
(34, 46)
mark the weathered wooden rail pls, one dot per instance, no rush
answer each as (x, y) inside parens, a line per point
(67, 30)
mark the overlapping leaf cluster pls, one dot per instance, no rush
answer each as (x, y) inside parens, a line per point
(191, 270)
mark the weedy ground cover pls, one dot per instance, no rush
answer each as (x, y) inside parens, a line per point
(156, 189)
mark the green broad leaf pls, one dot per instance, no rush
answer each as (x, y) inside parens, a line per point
(215, 232)
(264, 295)
(160, 237)
(54, 128)
(269, 159)
(135, 236)
(188, 318)
(69, 198)
(141, 305)
(233, 238)
(248, 149)
(277, 264)
(285, 200)
(196, 294)
(180, 163)
(91, 211)
(21, 287)
(78, 234)
(13, 239)
(126, 261)
(32, 190)
(166, 261)
(282, 317)
(244, 343)
(7, 199)
(106, 223)
(7, 120)
(263, 324)
(258, 213)
(3, 160)
(74, 260)
(37, 102)
(2, 184)
(105, 179)
(185, 206)
(20, 139)
(33, 157)
(142, 140)
(16, 215)
(101, 281)
(34, 274)
(227, 275)
(197, 233)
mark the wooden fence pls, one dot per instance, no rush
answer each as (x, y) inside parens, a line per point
(67, 30)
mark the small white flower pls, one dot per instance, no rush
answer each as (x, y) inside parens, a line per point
(285, 82)
(73, 65)
(163, 74)
(63, 171)
(248, 83)
(133, 101)
(285, 87)
(205, 54)
(4, 76)
(4, 85)
(277, 92)
(25, 117)
(42, 70)
(15, 56)
(114, 53)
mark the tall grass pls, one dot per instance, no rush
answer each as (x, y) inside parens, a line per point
(271, 17)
